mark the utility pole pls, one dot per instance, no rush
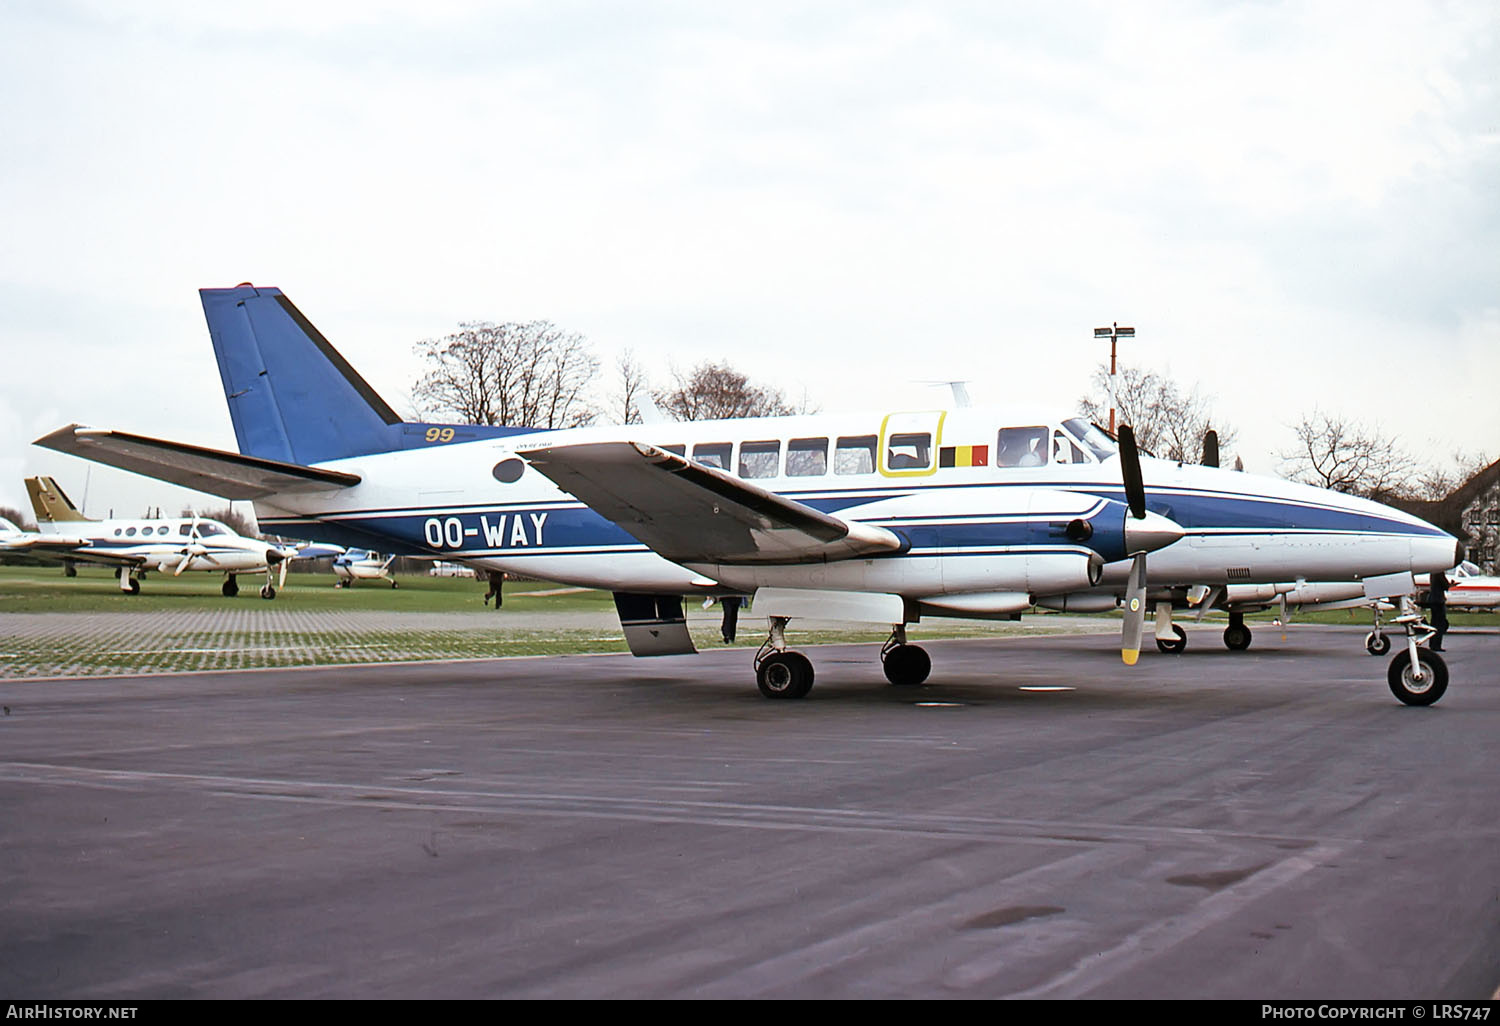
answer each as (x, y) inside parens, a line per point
(1114, 333)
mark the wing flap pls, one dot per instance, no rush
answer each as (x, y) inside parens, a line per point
(691, 513)
(215, 471)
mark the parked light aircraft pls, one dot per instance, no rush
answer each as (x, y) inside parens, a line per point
(135, 546)
(879, 518)
(362, 565)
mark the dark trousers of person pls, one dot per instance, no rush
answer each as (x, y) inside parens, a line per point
(1439, 624)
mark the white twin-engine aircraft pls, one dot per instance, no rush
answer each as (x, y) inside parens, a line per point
(879, 518)
(135, 546)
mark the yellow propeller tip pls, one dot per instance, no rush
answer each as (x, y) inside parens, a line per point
(1129, 656)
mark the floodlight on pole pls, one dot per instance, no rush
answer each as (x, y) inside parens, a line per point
(1114, 333)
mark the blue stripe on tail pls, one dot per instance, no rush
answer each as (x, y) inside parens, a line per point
(293, 397)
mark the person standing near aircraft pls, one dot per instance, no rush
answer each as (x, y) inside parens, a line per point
(1437, 602)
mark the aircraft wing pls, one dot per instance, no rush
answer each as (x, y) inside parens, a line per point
(691, 513)
(59, 547)
(205, 470)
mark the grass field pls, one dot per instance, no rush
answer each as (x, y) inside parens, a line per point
(55, 626)
(95, 589)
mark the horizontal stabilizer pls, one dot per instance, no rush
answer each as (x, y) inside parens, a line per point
(691, 513)
(214, 471)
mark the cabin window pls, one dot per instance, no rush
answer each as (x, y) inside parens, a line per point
(118, 532)
(909, 451)
(713, 454)
(1095, 440)
(184, 530)
(1022, 447)
(807, 457)
(855, 455)
(130, 532)
(1065, 450)
(759, 459)
(675, 450)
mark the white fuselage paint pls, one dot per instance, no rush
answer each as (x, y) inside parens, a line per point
(445, 502)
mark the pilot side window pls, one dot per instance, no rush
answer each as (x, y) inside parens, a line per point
(184, 530)
(1065, 450)
(910, 451)
(1022, 447)
(807, 457)
(855, 455)
(713, 454)
(759, 459)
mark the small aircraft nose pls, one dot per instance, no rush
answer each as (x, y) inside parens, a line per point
(1152, 532)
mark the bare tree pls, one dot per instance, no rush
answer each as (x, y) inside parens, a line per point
(1345, 456)
(525, 375)
(1438, 482)
(1168, 422)
(626, 408)
(716, 391)
(18, 518)
(236, 522)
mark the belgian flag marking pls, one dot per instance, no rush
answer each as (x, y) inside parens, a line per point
(964, 456)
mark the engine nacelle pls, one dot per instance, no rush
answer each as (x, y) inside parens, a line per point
(1079, 602)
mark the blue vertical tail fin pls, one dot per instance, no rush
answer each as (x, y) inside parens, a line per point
(293, 397)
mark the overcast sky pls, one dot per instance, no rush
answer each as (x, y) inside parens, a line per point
(1296, 205)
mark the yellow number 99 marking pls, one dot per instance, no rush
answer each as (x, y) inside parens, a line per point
(435, 434)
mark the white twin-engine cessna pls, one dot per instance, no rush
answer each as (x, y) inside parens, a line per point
(133, 547)
(878, 518)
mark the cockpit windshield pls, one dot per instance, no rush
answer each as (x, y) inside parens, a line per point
(1097, 442)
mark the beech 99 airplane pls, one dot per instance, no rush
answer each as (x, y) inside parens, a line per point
(878, 518)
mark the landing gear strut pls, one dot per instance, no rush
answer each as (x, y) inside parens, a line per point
(779, 671)
(1376, 643)
(1416, 676)
(906, 666)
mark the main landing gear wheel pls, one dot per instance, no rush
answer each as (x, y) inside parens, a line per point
(785, 674)
(1377, 644)
(394, 584)
(1237, 637)
(1407, 688)
(906, 666)
(1176, 644)
(132, 587)
(230, 588)
(267, 592)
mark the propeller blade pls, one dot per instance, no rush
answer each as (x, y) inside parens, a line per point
(1130, 471)
(281, 582)
(187, 557)
(1210, 448)
(1135, 612)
